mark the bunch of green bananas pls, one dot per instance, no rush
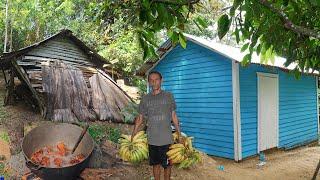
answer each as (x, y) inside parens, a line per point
(136, 150)
(183, 154)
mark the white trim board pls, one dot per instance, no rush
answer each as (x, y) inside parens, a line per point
(260, 74)
(236, 112)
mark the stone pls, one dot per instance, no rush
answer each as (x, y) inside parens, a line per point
(17, 165)
(96, 157)
(105, 156)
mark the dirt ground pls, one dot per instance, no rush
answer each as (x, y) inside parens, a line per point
(298, 163)
(295, 164)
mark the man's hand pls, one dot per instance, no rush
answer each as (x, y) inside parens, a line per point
(177, 126)
(137, 123)
(180, 138)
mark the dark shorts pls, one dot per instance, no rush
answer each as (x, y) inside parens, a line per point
(158, 155)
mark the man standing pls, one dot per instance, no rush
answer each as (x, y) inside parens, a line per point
(158, 107)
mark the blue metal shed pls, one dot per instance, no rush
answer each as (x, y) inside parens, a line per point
(234, 111)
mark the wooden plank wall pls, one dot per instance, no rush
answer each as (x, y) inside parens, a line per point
(57, 49)
(201, 82)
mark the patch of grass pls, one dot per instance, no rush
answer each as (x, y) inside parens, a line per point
(97, 132)
(3, 113)
(3, 171)
(3, 116)
(101, 132)
(113, 134)
(4, 136)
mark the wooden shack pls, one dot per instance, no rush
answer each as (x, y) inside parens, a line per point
(64, 79)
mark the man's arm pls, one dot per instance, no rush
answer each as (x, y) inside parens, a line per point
(137, 123)
(176, 123)
(139, 119)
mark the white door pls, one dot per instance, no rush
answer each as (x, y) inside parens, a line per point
(267, 111)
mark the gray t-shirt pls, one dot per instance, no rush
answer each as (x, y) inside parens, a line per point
(157, 109)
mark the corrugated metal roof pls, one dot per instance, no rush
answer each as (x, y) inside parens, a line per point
(225, 50)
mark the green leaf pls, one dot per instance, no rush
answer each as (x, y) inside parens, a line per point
(267, 55)
(254, 39)
(197, 24)
(315, 2)
(182, 40)
(149, 36)
(236, 3)
(297, 73)
(161, 10)
(202, 22)
(150, 17)
(245, 33)
(169, 33)
(246, 60)
(223, 25)
(174, 37)
(236, 32)
(146, 4)
(244, 47)
(149, 52)
(232, 11)
(258, 50)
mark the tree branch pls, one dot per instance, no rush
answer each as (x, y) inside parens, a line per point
(174, 2)
(226, 8)
(288, 23)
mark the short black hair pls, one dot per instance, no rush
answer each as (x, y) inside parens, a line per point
(155, 72)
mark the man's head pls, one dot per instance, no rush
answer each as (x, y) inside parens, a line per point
(155, 80)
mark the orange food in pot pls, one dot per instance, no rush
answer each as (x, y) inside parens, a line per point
(61, 149)
(55, 156)
(58, 162)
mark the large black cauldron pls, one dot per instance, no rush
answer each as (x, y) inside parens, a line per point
(52, 134)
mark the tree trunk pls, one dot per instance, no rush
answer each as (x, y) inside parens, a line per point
(6, 28)
(11, 21)
(37, 22)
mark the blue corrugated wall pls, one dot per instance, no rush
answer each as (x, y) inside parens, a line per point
(297, 108)
(201, 82)
(297, 111)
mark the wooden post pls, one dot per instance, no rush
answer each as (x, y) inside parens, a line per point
(4, 75)
(25, 78)
(8, 100)
(316, 171)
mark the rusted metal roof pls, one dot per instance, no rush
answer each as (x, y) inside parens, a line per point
(92, 54)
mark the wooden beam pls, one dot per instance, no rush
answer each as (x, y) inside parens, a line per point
(24, 78)
(162, 49)
(8, 100)
(4, 75)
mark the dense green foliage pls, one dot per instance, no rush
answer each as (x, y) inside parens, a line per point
(287, 28)
(127, 31)
(118, 29)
